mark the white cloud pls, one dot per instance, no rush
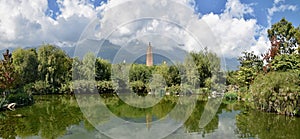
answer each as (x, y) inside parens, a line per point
(24, 23)
(235, 33)
(236, 9)
(278, 1)
(27, 25)
(279, 7)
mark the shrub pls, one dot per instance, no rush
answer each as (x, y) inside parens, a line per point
(139, 87)
(174, 89)
(84, 87)
(40, 87)
(277, 92)
(66, 88)
(231, 96)
(105, 87)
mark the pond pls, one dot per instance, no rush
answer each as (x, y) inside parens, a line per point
(55, 116)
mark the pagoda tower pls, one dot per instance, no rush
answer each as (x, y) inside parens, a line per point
(149, 58)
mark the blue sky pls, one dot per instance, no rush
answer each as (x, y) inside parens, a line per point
(260, 10)
(239, 24)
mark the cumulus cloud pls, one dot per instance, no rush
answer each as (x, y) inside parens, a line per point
(235, 33)
(121, 21)
(25, 23)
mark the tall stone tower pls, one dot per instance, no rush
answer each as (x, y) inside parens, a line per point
(149, 58)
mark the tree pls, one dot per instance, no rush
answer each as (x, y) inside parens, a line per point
(284, 38)
(139, 72)
(207, 65)
(251, 65)
(103, 70)
(285, 62)
(26, 65)
(286, 35)
(174, 77)
(88, 66)
(8, 76)
(54, 66)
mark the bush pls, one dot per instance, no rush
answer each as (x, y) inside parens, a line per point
(105, 87)
(29, 88)
(277, 92)
(39, 87)
(174, 89)
(66, 88)
(231, 96)
(84, 87)
(139, 87)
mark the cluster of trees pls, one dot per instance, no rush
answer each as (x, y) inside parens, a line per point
(49, 70)
(272, 80)
(200, 70)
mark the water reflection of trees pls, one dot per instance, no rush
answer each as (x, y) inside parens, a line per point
(193, 123)
(48, 118)
(266, 125)
(164, 107)
(51, 115)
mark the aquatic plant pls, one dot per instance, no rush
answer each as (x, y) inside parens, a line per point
(277, 92)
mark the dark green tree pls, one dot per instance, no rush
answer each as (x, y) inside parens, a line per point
(25, 62)
(103, 70)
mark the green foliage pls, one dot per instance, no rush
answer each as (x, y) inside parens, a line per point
(202, 65)
(174, 78)
(140, 72)
(26, 64)
(105, 87)
(277, 92)
(285, 62)
(54, 66)
(202, 69)
(8, 76)
(41, 87)
(251, 65)
(231, 78)
(102, 70)
(87, 70)
(84, 86)
(174, 89)
(286, 35)
(231, 96)
(139, 87)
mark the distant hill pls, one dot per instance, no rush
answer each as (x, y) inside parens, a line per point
(231, 64)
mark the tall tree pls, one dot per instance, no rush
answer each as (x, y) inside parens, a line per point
(26, 65)
(285, 40)
(54, 66)
(286, 35)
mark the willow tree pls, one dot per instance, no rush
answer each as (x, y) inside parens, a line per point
(54, 66)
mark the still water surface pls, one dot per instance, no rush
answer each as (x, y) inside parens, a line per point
(60, 117)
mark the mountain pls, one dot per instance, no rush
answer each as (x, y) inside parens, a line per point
(231, 64)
